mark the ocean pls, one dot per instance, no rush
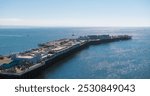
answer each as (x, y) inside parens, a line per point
(116, 60)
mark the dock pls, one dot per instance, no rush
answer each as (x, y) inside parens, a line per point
(30, 63)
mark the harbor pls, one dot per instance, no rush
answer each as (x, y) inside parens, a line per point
(30, 63)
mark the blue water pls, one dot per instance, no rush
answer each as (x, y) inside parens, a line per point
(123, 59)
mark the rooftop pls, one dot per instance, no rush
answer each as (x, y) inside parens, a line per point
(5, 60)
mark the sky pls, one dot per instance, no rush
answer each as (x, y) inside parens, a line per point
(75, 13)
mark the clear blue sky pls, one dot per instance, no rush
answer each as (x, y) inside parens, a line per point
(75, 12)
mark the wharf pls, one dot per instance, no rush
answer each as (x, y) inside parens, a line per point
(30, 63)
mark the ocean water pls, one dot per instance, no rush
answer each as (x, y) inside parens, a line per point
(123, 59)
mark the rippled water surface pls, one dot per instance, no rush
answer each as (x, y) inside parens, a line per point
(123, 59)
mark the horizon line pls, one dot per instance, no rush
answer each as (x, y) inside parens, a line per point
(22, 26)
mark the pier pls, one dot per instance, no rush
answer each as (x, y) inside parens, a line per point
(29, 63)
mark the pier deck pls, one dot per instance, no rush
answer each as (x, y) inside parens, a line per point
(28, 64)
